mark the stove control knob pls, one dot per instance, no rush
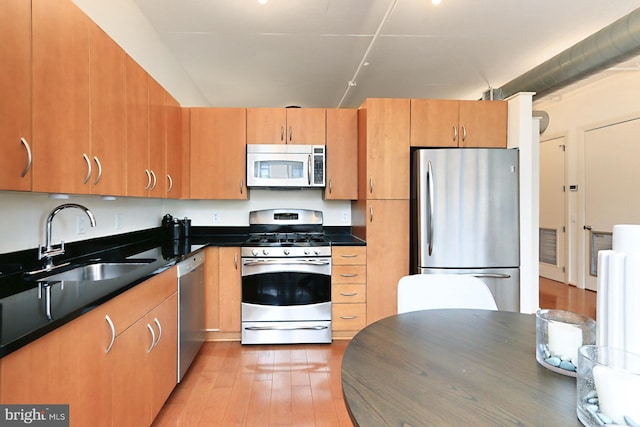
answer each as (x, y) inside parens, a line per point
(316, 251)
(255, 252)
(265, 252)
(287, 251)
(307, 252)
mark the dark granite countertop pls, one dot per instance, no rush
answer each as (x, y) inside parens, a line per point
(30, 308)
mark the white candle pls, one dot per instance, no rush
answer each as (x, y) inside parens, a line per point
(617, 393)
(564, 340)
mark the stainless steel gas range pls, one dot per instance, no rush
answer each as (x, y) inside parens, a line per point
(286, 278)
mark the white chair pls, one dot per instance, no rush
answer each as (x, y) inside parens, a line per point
(429, 291)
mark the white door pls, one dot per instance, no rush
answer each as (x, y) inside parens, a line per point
(612, 187)
(552, 209)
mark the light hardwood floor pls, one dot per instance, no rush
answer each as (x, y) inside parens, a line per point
(289, 385)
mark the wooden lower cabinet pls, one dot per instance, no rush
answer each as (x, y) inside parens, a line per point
(104, 385)
(222, 293)
(348, 290)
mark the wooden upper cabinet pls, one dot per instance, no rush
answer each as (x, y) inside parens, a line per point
(173, 180)
(60, 42)
(434, 123)
(342, 155)
(15, 102)
(157, 139)
(137, 99)
(384, 148)
(286, 126)
(453, 123)
(108, 115)
(218, 151)
(483, 124)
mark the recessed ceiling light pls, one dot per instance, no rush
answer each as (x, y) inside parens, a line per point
(436, 2)
(263, 1)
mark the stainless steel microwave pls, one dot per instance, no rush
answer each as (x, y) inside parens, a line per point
(285, 165)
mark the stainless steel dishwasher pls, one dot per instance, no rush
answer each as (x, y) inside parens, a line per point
(190, 310)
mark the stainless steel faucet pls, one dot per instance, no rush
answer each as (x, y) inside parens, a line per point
(48, 251)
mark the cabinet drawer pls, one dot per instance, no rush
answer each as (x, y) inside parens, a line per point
(348, 255)
(349, 317)
(349, 293)
(348, 274)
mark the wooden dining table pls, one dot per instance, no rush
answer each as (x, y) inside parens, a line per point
(453, 367)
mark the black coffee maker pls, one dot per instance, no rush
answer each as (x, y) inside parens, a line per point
(176, 236)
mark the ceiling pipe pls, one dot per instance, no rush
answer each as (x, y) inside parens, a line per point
(611, 45)
(351, 83)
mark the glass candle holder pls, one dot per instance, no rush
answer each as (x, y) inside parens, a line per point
(559, 335)
(607, 384)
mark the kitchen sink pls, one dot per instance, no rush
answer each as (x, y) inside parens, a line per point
(95, 272)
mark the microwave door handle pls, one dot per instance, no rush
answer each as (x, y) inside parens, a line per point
(309, 170)
(431, 203)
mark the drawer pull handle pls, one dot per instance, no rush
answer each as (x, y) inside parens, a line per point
(350, 294)
(349, 255)
(157, 322)
(113, 333)
(153, 338)
(348, 317)
(348, 274)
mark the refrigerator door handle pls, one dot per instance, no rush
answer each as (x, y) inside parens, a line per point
(490, 275)
(431, 207)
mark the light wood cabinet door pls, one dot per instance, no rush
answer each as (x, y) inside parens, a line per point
(15, 87)
(60, 43)
(157, 139)
(107, 115)
(483, 124)
(387, 236)
(137, 97)
(386, 149)
(342, 154)
(211, 289)
(286, 126)
(218, 153)
(306, 126)
(230, 289)
(434, 123)
(164, 356)
(173, 180)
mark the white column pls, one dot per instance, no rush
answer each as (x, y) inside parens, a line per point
(524, 134)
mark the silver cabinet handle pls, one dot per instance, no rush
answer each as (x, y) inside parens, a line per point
(455, 133)
(155, 181)
(431, 203)
(348, 255)
(29, 157)
(157, 322)
(464, 133)
(370, 213)
(86, 159)
(146, 187)
(282, 133)
(348, 317)
(330, 186)
(241, 186)
(348, 294)
(170, 183)
(235, 260)
(153, 338)
(371, 185)
(348, 274)
(113, 333)
(95, 159)
(290, 134)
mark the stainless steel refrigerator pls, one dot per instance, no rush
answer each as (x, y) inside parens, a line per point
(464, 217)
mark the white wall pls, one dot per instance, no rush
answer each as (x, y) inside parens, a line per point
(606, 101)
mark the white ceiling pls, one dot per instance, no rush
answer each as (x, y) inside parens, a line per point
(305, 52)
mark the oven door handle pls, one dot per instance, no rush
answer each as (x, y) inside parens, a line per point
(288, 262)
(285, 328)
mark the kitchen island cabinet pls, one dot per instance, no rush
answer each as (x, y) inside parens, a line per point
(286, 126)
(453, 123)
(218, 153)
(15, 102)
(342, 154)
